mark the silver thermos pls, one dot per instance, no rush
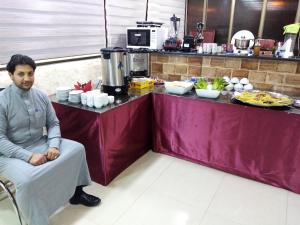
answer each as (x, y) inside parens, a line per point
(114, 72)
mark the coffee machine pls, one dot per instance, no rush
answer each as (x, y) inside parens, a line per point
(138, 62)
(115, 78)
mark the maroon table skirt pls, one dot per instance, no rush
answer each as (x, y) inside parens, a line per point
(256, 143)
(113, 139)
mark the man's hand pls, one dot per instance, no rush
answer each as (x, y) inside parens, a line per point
(37, 159)
(52, 153)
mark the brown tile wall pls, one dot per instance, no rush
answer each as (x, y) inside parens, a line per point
(265, 74)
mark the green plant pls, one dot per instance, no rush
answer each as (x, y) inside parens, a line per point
(201, 84)
(219, 84)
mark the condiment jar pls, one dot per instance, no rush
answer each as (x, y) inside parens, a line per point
(256, 48)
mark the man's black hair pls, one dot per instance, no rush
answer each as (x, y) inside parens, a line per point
(19, 59)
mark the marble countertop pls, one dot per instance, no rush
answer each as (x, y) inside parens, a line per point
(135, 94)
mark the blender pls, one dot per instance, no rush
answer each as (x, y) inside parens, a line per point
(290, 35)
(173, 42)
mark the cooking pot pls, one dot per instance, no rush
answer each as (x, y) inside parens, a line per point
(242, 43)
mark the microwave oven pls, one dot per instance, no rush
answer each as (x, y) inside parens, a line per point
(146, 37)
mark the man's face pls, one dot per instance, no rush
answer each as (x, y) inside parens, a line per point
(23, 77)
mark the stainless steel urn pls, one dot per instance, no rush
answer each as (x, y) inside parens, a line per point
(114, 71)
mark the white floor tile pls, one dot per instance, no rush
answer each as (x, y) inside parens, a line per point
(71, 217)
(162, 190)
(215, 219)
(159, 209)
(249, 202)
(118, 196)
(293, 209)
(189, 182)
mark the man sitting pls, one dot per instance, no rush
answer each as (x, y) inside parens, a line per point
(46, 170)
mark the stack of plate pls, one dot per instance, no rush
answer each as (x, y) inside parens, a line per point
(75, 96)
(62, 93)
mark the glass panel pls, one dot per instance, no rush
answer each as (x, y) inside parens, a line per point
(279, 13)
(247, 16)
(218, 15)
(194, 14)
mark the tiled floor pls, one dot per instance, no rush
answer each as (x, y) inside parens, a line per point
(162, 190)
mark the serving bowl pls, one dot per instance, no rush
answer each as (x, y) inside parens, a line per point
(178, 87)
(207, 93)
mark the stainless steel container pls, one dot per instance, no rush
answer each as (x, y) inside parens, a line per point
(242, 43)
(138, 63)
(114, 71)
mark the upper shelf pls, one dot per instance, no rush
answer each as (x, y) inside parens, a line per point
(294, 59)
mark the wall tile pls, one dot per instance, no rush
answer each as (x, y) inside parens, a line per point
(194, 60)
(217, 61)
(181, 59)
(292, 80)
(268, 65)
(168, 68)
(262, 86)
(208, 72)
(185, 77)
(274, 78)
(156, 68)
(206, 61)
(240, 73)
(194, 70)
(220, 72)
(173, 77)
(233, 63)
(249, 64)
(292, 91)
(162, 76)
(298, 68)
(266, 74)
(289, 67)
(153, 58)
(180, 69)
(255, 76)
(162, 58)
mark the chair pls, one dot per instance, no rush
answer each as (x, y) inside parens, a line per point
(7, 189)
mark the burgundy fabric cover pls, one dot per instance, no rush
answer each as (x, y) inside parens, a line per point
(114, 139)
(256, 143)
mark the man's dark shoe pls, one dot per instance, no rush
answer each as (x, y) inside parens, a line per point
(85, 199)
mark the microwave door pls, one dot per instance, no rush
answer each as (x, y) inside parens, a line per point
(139, 38)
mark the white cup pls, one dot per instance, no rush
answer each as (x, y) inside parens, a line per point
(90, 100)
(220, 49)
(104, 97)
(205, 48)
(214, 48)
(111, 99)
(98, 102)
(209, 47)
(83, 98)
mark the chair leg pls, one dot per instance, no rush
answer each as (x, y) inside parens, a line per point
(12, 198)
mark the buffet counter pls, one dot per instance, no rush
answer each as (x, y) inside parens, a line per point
(114, 136)
(257, 143)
